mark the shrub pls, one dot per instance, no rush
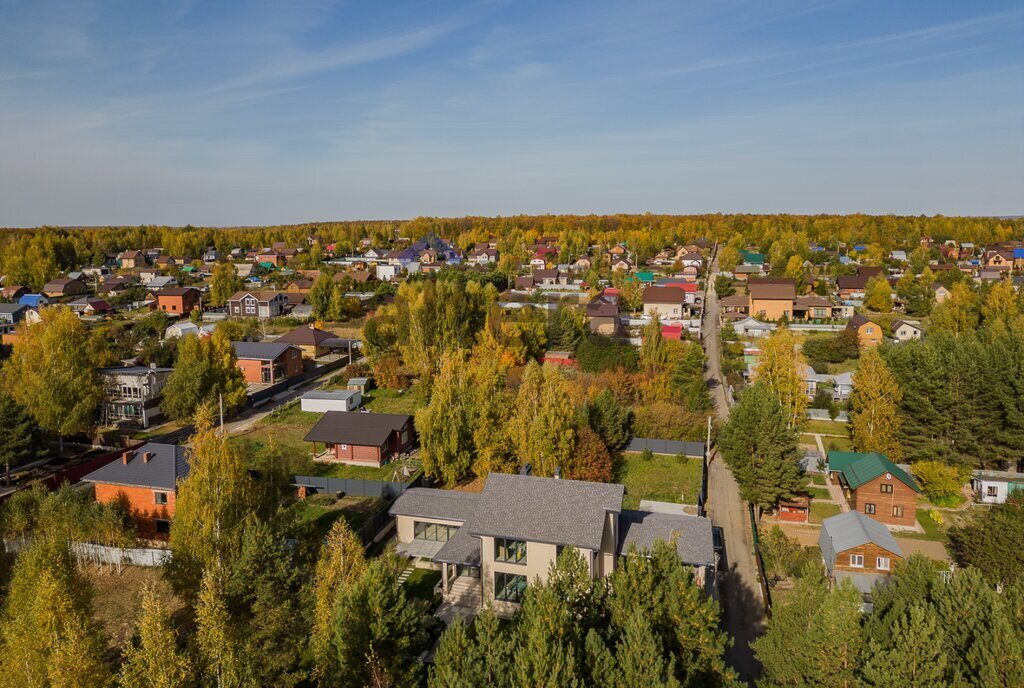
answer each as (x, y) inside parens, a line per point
(939, 481)
(668, 421)
(598, 353)
(935, 516)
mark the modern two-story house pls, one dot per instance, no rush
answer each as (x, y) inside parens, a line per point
(133, 394)
(491, 546)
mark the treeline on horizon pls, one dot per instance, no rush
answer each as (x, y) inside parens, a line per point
(33, 256)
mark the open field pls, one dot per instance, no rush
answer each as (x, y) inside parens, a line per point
(822, 510)
(322, 512)
(117, 598)
(826, 427)
(662, 478)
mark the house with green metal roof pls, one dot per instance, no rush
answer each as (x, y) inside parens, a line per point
(875, 486)
(752, 257)
(644, 276)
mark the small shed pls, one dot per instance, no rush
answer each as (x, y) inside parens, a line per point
(360, 384)
(338, 400)
(794, 510)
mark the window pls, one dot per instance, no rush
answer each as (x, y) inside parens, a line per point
(992, 491)
(897, 511)
(869, 508)
(886, 488)
(250, 309)
(163, 526)
(870, 330)
(882, 563)
(433, 532)
(857, 561)
(160, 497)
(509, 587)
(512, 551)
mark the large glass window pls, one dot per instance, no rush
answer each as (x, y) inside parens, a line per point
(512, 551)
(509, 587)
(432, 531)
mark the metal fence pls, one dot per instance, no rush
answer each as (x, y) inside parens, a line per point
(822, 414)
(356, 487)
(101, 554)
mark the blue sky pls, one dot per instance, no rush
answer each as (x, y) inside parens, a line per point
(287, 111)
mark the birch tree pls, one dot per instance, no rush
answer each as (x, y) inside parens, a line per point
(875, 402)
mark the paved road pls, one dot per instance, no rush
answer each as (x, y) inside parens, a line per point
(740, 594)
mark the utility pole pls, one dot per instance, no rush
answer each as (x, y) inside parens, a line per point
(220, 400)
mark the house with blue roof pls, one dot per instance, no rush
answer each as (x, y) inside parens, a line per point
(875, 486)
(33, 300)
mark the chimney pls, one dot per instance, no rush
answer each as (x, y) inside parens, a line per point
(146, 456)
(558, 472)
(126, 457)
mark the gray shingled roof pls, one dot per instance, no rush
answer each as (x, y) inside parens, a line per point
(163, 471)
(853, 529)
(462, 548)
(561, 512)
(692, 534)
(260, 351)
(427, 502)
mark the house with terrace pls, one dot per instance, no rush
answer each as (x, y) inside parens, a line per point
(491, 546)
(363, 439)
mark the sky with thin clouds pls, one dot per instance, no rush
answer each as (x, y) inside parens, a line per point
(266, 112)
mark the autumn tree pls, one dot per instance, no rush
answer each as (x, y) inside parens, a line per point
(728, 258)
(653, 349)
(205, 373)
(874, 404)
(154, 660)
(319, 297)
(224, 283)
(1001, 309)
(687, 379)
(543, 420)
(51, 374)
(218, 641)
(445, 425)
(47, 634)
(212, 504)
(781, 369)
(342, 561)
(958, 314)
(878, 295)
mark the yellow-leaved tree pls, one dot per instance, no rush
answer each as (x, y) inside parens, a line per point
(781, 368)
(875, 401)
(342, 561)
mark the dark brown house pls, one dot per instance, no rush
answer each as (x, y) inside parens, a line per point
(364, 438)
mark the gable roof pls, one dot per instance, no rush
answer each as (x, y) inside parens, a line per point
(165, 468)
(176, 291)
(775, 289)
(260, 351)
(668, 295)
(859, 468)
(550, 510)
(364, 429)
(260, 295)
(853, 529)
(857, 320)
(444, 505)
(306, 335)
(852, 282)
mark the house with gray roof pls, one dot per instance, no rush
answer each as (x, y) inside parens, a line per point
(490, 546)
(267, 362)
(858, 548)
(146, 479)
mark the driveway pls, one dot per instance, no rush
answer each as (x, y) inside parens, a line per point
(740, 592)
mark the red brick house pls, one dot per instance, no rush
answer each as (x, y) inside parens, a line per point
(268, 362)
(146, 479)
(876, 487)
(364, 438)
(178, 300)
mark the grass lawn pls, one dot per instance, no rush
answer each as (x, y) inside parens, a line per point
(827, 427)
(341, 470)
(322, 513)
(817, 479)
(837, 443)
(809, 440)
(421, 582)
(662, 478)
(818, 493)
(932, 530)
(394, 401)
(822, 510)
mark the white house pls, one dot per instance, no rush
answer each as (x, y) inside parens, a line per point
(906, 330)
(993, 487)
(750, 327)
(338, 400)
(387, 272)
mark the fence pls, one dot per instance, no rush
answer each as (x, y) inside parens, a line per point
(284, 385)
(101, 554)
(822, 414)
(357, 487)
(762, 577)
(77, 472)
